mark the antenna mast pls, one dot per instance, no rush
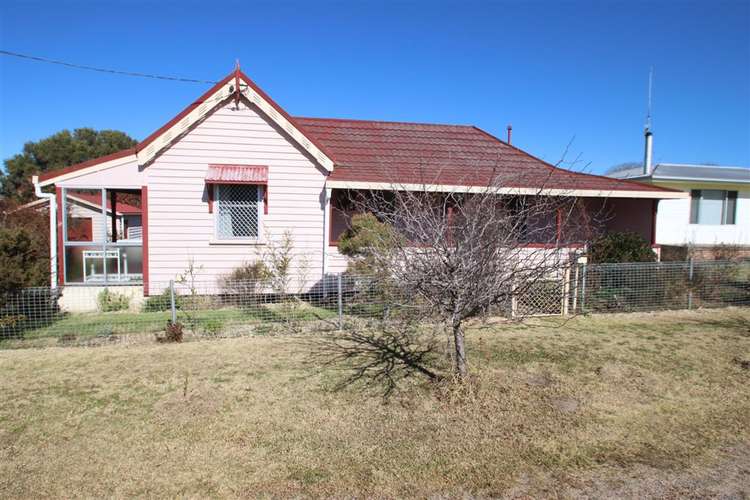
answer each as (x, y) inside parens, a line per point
(648, 110)
(648, 136)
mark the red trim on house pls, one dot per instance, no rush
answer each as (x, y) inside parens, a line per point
(654, 209)
(220, 173)
(113, 213)
(210, 197)
(60, 246)
(265, 200)
(331, 242)
(144, 224)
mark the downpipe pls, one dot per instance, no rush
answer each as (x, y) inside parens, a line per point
(52, 228)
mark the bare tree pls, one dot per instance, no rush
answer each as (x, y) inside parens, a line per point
(458, 253)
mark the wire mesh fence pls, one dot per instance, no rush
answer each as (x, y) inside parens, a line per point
(210, 309)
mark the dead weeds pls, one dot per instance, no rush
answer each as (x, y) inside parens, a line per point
(605, 406)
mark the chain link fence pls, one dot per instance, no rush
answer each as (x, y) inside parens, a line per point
(209, 309)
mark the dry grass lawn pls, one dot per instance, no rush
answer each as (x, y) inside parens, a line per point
(622, 405)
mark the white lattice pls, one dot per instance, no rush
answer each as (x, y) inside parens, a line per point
(237, 211)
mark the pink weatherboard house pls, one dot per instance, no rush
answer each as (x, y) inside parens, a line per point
(234, 169)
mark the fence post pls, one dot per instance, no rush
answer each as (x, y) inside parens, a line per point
(513, 300)
(340, 302)
(575, 287)
(171, 300)
(565, 291)
(584, 265)
(690, 283)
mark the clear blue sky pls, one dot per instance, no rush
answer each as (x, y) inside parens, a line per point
(555, 70)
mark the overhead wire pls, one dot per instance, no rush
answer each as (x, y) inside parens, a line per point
(103, 70)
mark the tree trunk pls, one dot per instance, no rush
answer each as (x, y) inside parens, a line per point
(458, 342)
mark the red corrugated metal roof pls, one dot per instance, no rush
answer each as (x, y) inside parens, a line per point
(396, 152)
(237, 174)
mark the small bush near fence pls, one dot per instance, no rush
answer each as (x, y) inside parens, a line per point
(109, 301)
(161, 302)
(29, 309)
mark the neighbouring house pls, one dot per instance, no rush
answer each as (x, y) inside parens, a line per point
(715, 214)
(234, 170)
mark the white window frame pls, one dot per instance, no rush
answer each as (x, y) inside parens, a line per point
(724, 207)
(260, 207)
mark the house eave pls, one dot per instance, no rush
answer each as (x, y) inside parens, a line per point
(528, 191)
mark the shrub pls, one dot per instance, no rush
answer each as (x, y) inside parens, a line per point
(213, 327)
(162, 302)
(28, 309)
(172, 333)
(621, 247)
(247, 279)
(365, 234)
(108, 301)
(726, 251)
(23, 261)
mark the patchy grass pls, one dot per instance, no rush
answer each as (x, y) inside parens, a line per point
(86, 325)
(600, 404)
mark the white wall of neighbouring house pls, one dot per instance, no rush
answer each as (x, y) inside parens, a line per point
(673, 225)
(180, 227)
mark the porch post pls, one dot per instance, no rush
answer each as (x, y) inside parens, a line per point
(144, 237)
(326, 227)
(654, 211)
(113, 211)
(60, 235)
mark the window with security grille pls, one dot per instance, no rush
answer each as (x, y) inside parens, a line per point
(237, 213)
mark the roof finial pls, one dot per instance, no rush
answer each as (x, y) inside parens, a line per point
(237, 91)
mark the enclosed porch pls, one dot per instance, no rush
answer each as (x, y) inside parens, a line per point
(100, 236)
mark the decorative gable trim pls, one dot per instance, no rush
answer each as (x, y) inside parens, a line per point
(147, 149)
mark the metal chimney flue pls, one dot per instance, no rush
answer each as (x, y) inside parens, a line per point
(510, 132)
(648, 153)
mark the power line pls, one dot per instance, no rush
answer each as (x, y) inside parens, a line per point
(103, 70)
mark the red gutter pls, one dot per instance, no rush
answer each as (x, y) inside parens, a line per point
(654, 210)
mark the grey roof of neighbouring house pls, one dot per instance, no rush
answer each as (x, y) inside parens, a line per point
(681, 172)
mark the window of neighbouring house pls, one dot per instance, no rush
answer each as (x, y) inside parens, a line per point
(237, 211)
(712, 206)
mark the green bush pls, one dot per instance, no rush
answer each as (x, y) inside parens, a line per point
(366, 238)
(30, 308)
(23, 261)
(621, 247)
(161, 302)
(213, 327)
(108, 301)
